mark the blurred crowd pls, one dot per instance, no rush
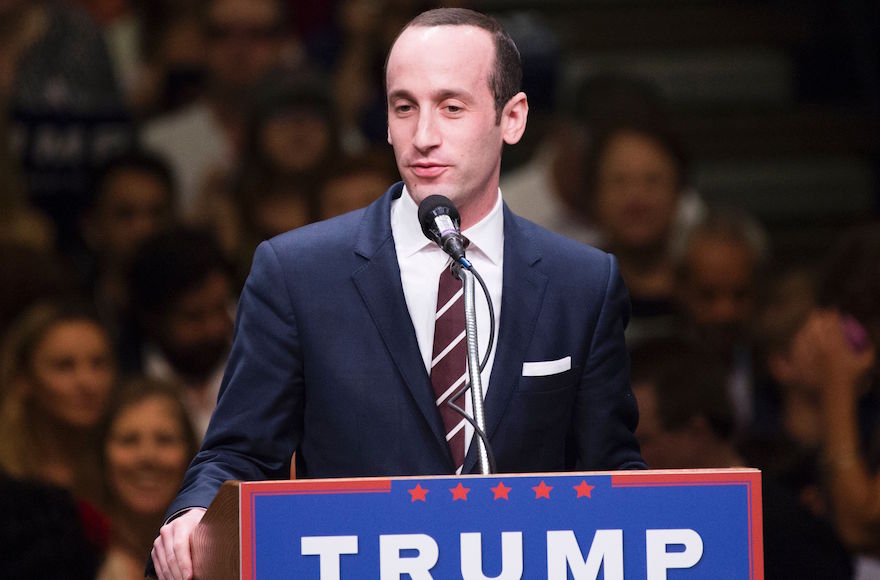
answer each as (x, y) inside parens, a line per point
(147, 147)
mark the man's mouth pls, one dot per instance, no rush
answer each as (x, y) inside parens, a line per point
(427, 170)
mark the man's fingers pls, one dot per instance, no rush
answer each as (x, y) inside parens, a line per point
(183, 554)
(160, 560)
(157, 560)
(171, 552)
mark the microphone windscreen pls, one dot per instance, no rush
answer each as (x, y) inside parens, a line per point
(432, 207)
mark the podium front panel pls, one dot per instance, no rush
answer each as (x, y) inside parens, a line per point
(649, 524)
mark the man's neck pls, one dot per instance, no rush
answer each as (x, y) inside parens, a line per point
(473, 213)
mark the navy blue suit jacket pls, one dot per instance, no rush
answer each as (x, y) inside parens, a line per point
(325, 362)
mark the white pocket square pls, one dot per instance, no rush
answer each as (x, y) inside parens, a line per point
(546, 367)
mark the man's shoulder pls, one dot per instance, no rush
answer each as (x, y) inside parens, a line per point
(362, 230)
(333, 231)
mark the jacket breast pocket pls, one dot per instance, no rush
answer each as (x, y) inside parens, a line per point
(547, 383)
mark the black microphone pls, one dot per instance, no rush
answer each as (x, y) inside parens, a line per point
(440, 223)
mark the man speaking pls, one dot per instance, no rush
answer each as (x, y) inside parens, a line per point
(348, 340)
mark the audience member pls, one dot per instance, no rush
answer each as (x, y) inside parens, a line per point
(367, 30)
(550, 188)
(786, 448)
(836, 351)
(57, 86)
(686, 422)
(132, 199)
(291, 142)
(717, 285)
(122, 28)
(181, 298)
(245, 40)
(56, 376)
(635, 178)
(789, 298)
(43, 533)
(174, 68)
(357, 181)
(53, 57)
(147, 442)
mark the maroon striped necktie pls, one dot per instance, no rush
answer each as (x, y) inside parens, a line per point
(449, 360)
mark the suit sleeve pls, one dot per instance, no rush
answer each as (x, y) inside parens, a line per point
(258, 421)
(606, 413)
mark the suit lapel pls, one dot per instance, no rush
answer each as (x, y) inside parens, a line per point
(378, 282)
(521, 299)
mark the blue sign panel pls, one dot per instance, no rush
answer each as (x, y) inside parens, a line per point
(653, 525)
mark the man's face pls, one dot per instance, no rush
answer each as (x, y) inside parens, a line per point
(133, 205)
(637, 191)
(243, 42)
(718, 289)
(441, 116)
(197, 330)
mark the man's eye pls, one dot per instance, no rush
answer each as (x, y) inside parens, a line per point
(404, 108)
(453, 108)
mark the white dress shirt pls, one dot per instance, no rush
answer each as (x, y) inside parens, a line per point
(421, 263)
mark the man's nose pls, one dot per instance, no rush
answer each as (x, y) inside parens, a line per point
(427, 134)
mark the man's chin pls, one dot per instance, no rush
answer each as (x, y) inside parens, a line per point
(420, 190)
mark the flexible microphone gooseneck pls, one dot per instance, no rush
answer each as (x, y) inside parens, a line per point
(440, 222)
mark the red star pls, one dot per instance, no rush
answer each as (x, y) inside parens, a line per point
(542, 490)
(500, 491)
(418, 493)
(459, 492)
(584, 489)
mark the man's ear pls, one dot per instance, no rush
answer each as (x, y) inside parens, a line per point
(388, 130)
(514, 117)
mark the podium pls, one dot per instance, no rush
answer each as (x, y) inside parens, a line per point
(656, 525)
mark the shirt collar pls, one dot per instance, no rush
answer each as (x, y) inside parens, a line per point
(486, 236)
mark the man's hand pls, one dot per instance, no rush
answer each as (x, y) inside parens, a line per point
(171, 553)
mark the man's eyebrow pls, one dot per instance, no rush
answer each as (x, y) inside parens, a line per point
(400, 94)
(440, 95)
(454, 94)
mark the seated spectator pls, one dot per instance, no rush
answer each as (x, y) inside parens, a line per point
(44, 533)
(836, 351)
(147, 443)
(121, 28)
(787, 448)
(245, 40)
(173, 47)
(686, 422)
(356, 182)
(291, 143)
(56, 377)
(685, 419)
(133, 199)
(181, 316)
(57, 84)
(790, 298)
(636, 176)
(366, 30)
(717, 284)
